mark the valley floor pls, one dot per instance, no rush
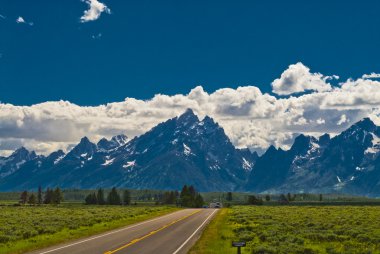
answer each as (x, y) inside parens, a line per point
(293, 229)
(25, 228)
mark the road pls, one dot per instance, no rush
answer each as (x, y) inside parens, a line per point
(174, 233)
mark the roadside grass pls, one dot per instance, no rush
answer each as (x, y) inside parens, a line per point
(293, 229)
(216, 237)
(28, 228)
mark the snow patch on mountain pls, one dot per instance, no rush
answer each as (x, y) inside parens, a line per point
(246, 164)
(359, 169)
(56, 161)
(375, 148)
(19, 164)
(314, 147)
(108, 162)
(130, 164)
(340, 185)
(186, 150)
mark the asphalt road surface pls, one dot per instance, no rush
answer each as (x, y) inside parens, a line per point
(174, 233)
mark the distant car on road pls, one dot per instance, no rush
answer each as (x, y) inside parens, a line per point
(216, 205)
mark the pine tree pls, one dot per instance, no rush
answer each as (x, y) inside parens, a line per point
(48, 196)
(100, 197)
(190, 197)
(267, 197)
(229, 196)
(57, 196)
(185, 191)
(198, 201)
(39, 197)
(114, 197)
(186, 199)
(253, 200)
(126, 197)
(192, 191)
(91, 199)
(32, 199)
(24, 197)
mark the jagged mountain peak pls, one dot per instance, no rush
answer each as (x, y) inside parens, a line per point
(303, 143)
(362, 132)
(20, 150)
(23, 154)
(271, 149)
(188, 117)
(11, 164)
(208, 121)
(57, 153)
(84, 140)
(102, 142)
(115, 142)
(85, 148)
(324, 139)
(121, 139)
(366, 124)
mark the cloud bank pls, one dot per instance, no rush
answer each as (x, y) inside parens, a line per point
(250, 118)
(96, 8)
(297, 78)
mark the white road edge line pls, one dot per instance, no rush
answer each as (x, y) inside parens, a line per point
(188, 239)
(109, 233)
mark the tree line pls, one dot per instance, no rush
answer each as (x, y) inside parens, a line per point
(50, 196)
(283, 199)
(188, 197)
(113, 198)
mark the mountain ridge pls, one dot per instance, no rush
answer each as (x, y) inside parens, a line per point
(186, 150)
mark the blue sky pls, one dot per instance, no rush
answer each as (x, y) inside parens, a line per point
(266, 71)
(169, 47)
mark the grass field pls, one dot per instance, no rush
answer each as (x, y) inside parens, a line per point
(292, 229)
(24, 228)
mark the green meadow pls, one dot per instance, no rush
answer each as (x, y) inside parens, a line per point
(294, 229)
(25, 228)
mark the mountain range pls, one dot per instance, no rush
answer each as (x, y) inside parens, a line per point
(187, 150)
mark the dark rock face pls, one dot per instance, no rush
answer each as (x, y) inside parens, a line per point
(182, 150)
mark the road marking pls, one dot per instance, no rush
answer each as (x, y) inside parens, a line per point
(151, 233)
(188, 239)
(109, 233)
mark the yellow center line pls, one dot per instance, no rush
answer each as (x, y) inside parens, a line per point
(150, 233)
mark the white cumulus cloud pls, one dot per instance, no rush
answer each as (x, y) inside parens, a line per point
(249, 117)
(298, 78)
(372, 75)
(96, 8)
(343, 119)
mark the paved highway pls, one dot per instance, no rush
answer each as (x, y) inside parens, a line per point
(174, 233)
